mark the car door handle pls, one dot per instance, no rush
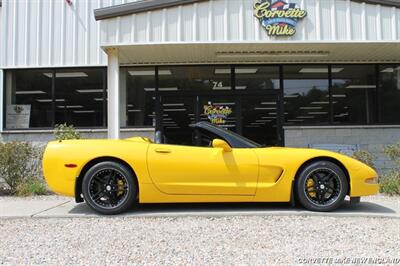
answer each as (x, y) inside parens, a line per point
(162, 151)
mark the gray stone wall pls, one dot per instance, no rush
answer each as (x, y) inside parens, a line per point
(369, 138)
(43, 136)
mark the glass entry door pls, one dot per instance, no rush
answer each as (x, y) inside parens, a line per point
(177, 113)
(219, 110)
(260, 119)
(256, 117)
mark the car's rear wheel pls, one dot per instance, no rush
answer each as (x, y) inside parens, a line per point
(109, 188)
(321, 186)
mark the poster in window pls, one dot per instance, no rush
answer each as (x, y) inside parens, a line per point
(18, 116)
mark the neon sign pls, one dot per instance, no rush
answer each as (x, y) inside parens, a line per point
(278, 17)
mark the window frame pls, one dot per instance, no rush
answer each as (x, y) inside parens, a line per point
(378, 103)
(53, 96)
(380, 92)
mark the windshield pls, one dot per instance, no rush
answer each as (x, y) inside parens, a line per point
(250, 143)
(235, 140)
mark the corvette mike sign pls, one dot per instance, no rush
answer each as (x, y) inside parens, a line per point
(217, 114)
(278, 17)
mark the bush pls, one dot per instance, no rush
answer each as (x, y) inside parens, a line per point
(20, 166)
(63, 132)
(34, 186)
(390, 181)
(393, 152)
(365, 157)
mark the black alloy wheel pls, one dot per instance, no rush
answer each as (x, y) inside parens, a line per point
(109, 188)
(321, 186)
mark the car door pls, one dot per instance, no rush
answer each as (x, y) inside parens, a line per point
(191, 170)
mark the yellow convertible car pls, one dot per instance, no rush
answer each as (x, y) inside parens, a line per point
(113, 175)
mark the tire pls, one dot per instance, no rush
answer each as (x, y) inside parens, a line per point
(109, 188)
(321, 186)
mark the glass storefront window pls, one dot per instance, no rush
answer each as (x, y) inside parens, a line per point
(389, 82)
(43, 98)
(137, 96)
(194, 78)
(354, 94)
(306, 94)
(257, 77)
(28, 99)
(79, 96)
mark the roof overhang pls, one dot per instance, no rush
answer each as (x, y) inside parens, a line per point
(394, 3)
(258, 53)
(138, 7)
(151, 5)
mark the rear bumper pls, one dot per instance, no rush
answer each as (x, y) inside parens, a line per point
(61, 185)
(59, 178)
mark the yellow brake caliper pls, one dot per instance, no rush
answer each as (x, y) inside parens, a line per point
(310, 188)
(120, 190)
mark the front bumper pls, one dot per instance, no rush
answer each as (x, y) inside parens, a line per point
(360, 184)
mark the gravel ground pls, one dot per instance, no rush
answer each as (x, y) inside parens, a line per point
(197, 240)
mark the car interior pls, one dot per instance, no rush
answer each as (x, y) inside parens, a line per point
(200, 137)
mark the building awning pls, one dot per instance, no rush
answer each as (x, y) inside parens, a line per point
(137, 7)
(219, 31)
(151, 5)
(258, 53)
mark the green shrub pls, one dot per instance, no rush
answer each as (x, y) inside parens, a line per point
(63, 132)
(390, 181)
(365, 157)
(393, 152)
(33, 186)
(20, 163)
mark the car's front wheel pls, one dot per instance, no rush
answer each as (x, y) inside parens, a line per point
(321, 186)
(109, 187)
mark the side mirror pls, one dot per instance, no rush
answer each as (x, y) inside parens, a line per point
(219, 143)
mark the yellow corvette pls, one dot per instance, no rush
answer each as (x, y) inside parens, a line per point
(112, 175)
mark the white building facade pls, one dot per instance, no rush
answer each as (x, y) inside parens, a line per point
(322, 73)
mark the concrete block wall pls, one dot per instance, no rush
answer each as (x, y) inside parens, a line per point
(369, 138)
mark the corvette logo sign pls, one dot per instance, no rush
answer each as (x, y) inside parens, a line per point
(217, 114)
(278, 17)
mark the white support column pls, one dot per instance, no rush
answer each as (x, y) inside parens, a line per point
(1, 100)
(113, 93)
(122, 98)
